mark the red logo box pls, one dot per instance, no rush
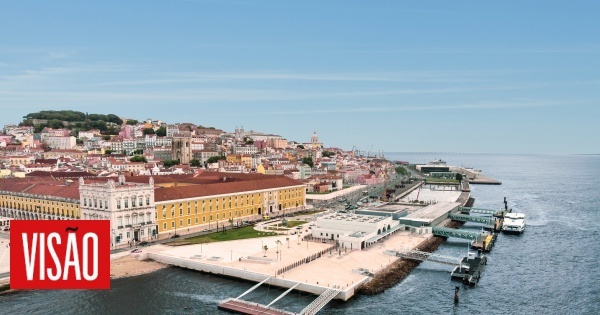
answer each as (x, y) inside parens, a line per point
(49, 255)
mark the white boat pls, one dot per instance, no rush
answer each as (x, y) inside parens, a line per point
(514, 223)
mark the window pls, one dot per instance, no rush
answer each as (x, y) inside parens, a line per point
(127, 220)
(142, 232)
(172, 224)
(85, 202)
(95, 203)
(118, 203)
(148, 217)
(164, 226)
(203, 219)
(180, 223)
(133, 201)
(100, 204)
(119, 222)
(180, 211)
(196, 220)
(105, 204)
(128, 235)
(135, 219)
(141, 203)
(189, 221)
(126, 203)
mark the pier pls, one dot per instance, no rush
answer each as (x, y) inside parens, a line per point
(475, 177)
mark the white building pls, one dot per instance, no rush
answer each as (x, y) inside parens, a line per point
(60, 142)
(245, 149)
(128, 206)
(353, 231)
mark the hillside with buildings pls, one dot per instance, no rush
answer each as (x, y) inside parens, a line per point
(166, 175)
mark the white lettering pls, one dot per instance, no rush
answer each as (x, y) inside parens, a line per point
(56, 276)
(86, 273)
(29, 256)
(72, 253)
(42, 256)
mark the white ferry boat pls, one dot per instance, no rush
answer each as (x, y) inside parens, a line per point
(514, 223)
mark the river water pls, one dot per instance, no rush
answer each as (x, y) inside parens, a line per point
(553, 268)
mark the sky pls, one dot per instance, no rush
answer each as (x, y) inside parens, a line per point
(394, 76)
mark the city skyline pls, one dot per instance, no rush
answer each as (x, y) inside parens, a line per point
(411, 77)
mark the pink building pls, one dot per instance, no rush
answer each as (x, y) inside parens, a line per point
(128, 132)
(368, 179)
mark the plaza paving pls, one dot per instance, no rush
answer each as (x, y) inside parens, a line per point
(330, 270)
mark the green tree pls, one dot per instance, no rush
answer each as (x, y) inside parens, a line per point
(169, 163)
(195, 163)
(459, 177)
(108, 151)
(114, 119)
(148, 131)
(161, 132)
(401, 170)
(106, 137)
(300, 146)
(138, 152)
(328, 154)
(139, 158)
(308, 161)
(132, 122)
(55, 124)
(215, 159)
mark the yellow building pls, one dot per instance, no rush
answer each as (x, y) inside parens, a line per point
(5, 173)
(234, 158)
(144, 207)
(247, 161)
(35, 199)
(208, 206)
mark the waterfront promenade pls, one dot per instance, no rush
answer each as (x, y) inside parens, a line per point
(285, 261)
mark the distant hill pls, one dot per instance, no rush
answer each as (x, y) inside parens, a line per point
(72, 120)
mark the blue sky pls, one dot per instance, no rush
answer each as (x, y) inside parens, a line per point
(412, 76)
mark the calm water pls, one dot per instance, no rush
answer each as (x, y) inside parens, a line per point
(551, 269)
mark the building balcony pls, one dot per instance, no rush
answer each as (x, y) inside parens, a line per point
(119, 227)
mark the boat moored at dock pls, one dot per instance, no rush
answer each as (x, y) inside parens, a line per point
(514, 223)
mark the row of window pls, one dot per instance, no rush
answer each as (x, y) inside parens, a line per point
(196, 220)
(210, 205)
(96, 203)
(135, 219)
(248, 211)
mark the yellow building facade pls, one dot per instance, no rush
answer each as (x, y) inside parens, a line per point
(215, 211)
(37, 207)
